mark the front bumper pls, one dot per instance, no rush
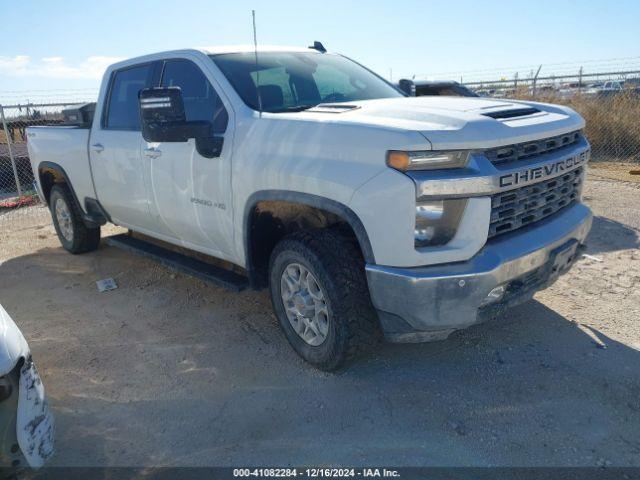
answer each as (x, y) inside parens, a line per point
(428, 303)
(26, 422)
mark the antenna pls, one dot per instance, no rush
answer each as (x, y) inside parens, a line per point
(255, 49)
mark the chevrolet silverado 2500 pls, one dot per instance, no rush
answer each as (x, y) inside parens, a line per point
(365, 212)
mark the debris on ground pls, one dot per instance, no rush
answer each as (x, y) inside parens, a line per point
(106, 285)
(16, 202)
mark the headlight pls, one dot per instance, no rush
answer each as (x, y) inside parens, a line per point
(426, 159)
(437, 221)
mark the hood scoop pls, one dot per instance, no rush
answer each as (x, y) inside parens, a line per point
(333, 108)
(512, 113)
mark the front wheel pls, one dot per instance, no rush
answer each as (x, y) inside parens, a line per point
(72, 232)
(320, 296)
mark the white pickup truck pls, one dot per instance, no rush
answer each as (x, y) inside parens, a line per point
(365, 212)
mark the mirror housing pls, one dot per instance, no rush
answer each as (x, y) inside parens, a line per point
(408, 87)
(163, 119)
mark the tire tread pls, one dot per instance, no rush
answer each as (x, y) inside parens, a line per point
(85, 239)
(342, 259)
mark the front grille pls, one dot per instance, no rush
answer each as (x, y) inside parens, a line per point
(530, 150)
(523, 206)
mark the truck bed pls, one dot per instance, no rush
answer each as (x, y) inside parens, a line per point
(66, 146)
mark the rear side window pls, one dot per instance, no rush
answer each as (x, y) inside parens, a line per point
(123, 112)
(201, 102)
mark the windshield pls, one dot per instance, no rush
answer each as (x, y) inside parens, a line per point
(294, 81)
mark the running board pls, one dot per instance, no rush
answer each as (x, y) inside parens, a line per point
(180, 263)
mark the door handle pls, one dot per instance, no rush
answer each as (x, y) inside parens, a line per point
(97, 147)
(152, 152)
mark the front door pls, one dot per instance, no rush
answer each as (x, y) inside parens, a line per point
(191, 190)
(115, 151)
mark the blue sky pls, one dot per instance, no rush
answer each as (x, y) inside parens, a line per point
(51, 45)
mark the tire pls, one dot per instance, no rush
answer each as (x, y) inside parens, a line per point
(72, 232)
(350, 326)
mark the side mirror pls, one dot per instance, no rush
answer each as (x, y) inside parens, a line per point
(408, 87)
(163, 119)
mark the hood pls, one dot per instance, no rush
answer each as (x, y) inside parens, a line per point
(456, 122)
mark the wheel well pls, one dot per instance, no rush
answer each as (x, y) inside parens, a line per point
(48, 178)
(270, 220)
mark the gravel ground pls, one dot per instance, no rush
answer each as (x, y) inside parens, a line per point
(168, 371)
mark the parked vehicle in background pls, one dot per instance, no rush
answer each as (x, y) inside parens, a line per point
(419, 88)
(609, 88)
(26, 423)
(567, 91)
(363, 211)
(613, 85)
(592, 89)
(485, 92)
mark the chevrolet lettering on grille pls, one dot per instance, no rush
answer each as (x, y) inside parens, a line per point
(543, 171)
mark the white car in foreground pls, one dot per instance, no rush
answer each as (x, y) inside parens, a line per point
(26, 423)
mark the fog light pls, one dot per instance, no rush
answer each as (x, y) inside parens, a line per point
(494, 295)
(437, 221)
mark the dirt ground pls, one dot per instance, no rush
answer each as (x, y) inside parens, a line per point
(626, 172)
(168, 371)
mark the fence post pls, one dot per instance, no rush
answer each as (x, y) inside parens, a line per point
(580, 78)
(11, 157)
(535, 81)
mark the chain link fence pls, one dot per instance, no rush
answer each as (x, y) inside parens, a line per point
(612, 125)
(20, 206)
(607, 98)
(609, 101)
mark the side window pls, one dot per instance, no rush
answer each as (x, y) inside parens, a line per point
(123, 112)
(201, 102)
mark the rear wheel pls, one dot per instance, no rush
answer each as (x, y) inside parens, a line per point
(72, 232)
(320, 296)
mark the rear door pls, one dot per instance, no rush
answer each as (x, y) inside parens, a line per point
(115, 148)
(191, 193)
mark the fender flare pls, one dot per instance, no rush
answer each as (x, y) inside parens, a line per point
(310, 200)
(89, 220)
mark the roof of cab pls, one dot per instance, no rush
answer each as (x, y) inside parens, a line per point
(217, 50)
(207, 51)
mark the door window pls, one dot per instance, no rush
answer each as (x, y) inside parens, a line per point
(201, 102)
(123, 112)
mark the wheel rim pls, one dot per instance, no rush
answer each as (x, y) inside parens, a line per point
(305, 304)
(63, 216)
